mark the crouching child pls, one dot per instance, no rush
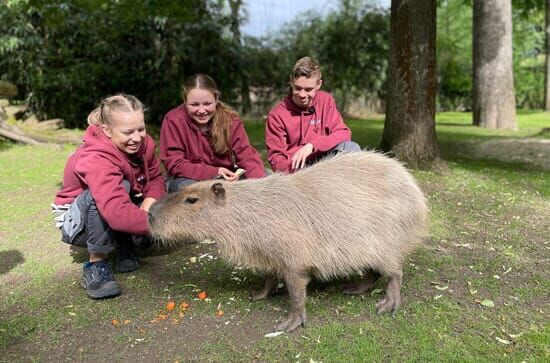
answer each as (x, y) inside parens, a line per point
(109, 183)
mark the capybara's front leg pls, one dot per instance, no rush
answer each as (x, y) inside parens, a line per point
(393, 298)
(270, 287)
(362, 285)
(296, 284)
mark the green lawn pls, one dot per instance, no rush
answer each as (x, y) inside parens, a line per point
(488, 245)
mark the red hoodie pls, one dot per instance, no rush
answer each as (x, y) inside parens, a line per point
(100, 166)
(290, 127)
(186, 151)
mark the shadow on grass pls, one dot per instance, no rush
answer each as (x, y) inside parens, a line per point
(9, 260)
(6, 145)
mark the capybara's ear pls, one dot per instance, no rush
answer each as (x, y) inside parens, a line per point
(218, 191)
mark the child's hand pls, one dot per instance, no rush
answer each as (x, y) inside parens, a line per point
(147, 203)
(227, 174)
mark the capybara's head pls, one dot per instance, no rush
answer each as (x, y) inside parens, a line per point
(189, 214)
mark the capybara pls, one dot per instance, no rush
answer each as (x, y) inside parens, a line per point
(358, 212)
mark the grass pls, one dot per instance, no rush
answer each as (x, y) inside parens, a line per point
(490, 222)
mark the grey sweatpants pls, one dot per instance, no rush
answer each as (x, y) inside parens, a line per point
(84, 226)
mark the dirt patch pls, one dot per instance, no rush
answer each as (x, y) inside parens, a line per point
(529, 151)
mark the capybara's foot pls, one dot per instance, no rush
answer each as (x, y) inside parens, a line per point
(296, 284)
(393, 298)
(387, 305)
(292, 321)
(270, 288)
(363, 285)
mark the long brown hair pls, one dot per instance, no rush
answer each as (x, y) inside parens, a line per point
(220, 133)
(121, 102)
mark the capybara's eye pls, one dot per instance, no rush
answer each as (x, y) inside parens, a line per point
(190, 200)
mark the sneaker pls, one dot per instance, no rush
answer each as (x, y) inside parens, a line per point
(126, 259)
(98, 280)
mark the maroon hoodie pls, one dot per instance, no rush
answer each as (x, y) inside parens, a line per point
(100, 166)
(186, 151)
(290, 127)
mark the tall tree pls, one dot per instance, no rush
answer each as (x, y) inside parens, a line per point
(547, 56)
(493, 93)
(409, 128)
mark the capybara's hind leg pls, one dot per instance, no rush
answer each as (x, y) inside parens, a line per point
(393, 298)
(362, 285)
(270, 287)
(296, 284)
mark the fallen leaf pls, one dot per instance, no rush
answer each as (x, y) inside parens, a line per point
(193, 259)
(487, 303)
(274, 334)
(219, 313)
(127, 321)
(71, 313)
(170, 305)
(503, 341)
(202, 295)
(376, 291)
(515, 336)
(442, 288)
(114, 322)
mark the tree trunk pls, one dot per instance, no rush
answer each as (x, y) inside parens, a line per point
(493, 93)
(409, 128)
(547, 56)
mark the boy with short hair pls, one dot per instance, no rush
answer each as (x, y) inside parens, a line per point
(306, 125)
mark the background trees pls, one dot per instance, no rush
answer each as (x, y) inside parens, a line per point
(65, 55)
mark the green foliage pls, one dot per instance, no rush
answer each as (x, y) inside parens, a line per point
(66, 55)
(529, 56)
(454, 53)
(351, 44)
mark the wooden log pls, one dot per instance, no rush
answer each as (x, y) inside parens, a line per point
(53, 124)
(17, 137)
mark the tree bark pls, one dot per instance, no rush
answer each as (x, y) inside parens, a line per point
(493, 93)
(547, 56)
(409, 128)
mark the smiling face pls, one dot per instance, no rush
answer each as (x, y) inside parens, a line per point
(201, 105)
(304, 90)
(126, 130)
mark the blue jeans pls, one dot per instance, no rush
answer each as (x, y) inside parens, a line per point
(343, 147)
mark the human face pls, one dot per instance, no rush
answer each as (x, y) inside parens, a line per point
(126, 131)
(304, 90)
(201, 105)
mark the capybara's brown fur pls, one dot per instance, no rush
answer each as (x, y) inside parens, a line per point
(352, 213)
